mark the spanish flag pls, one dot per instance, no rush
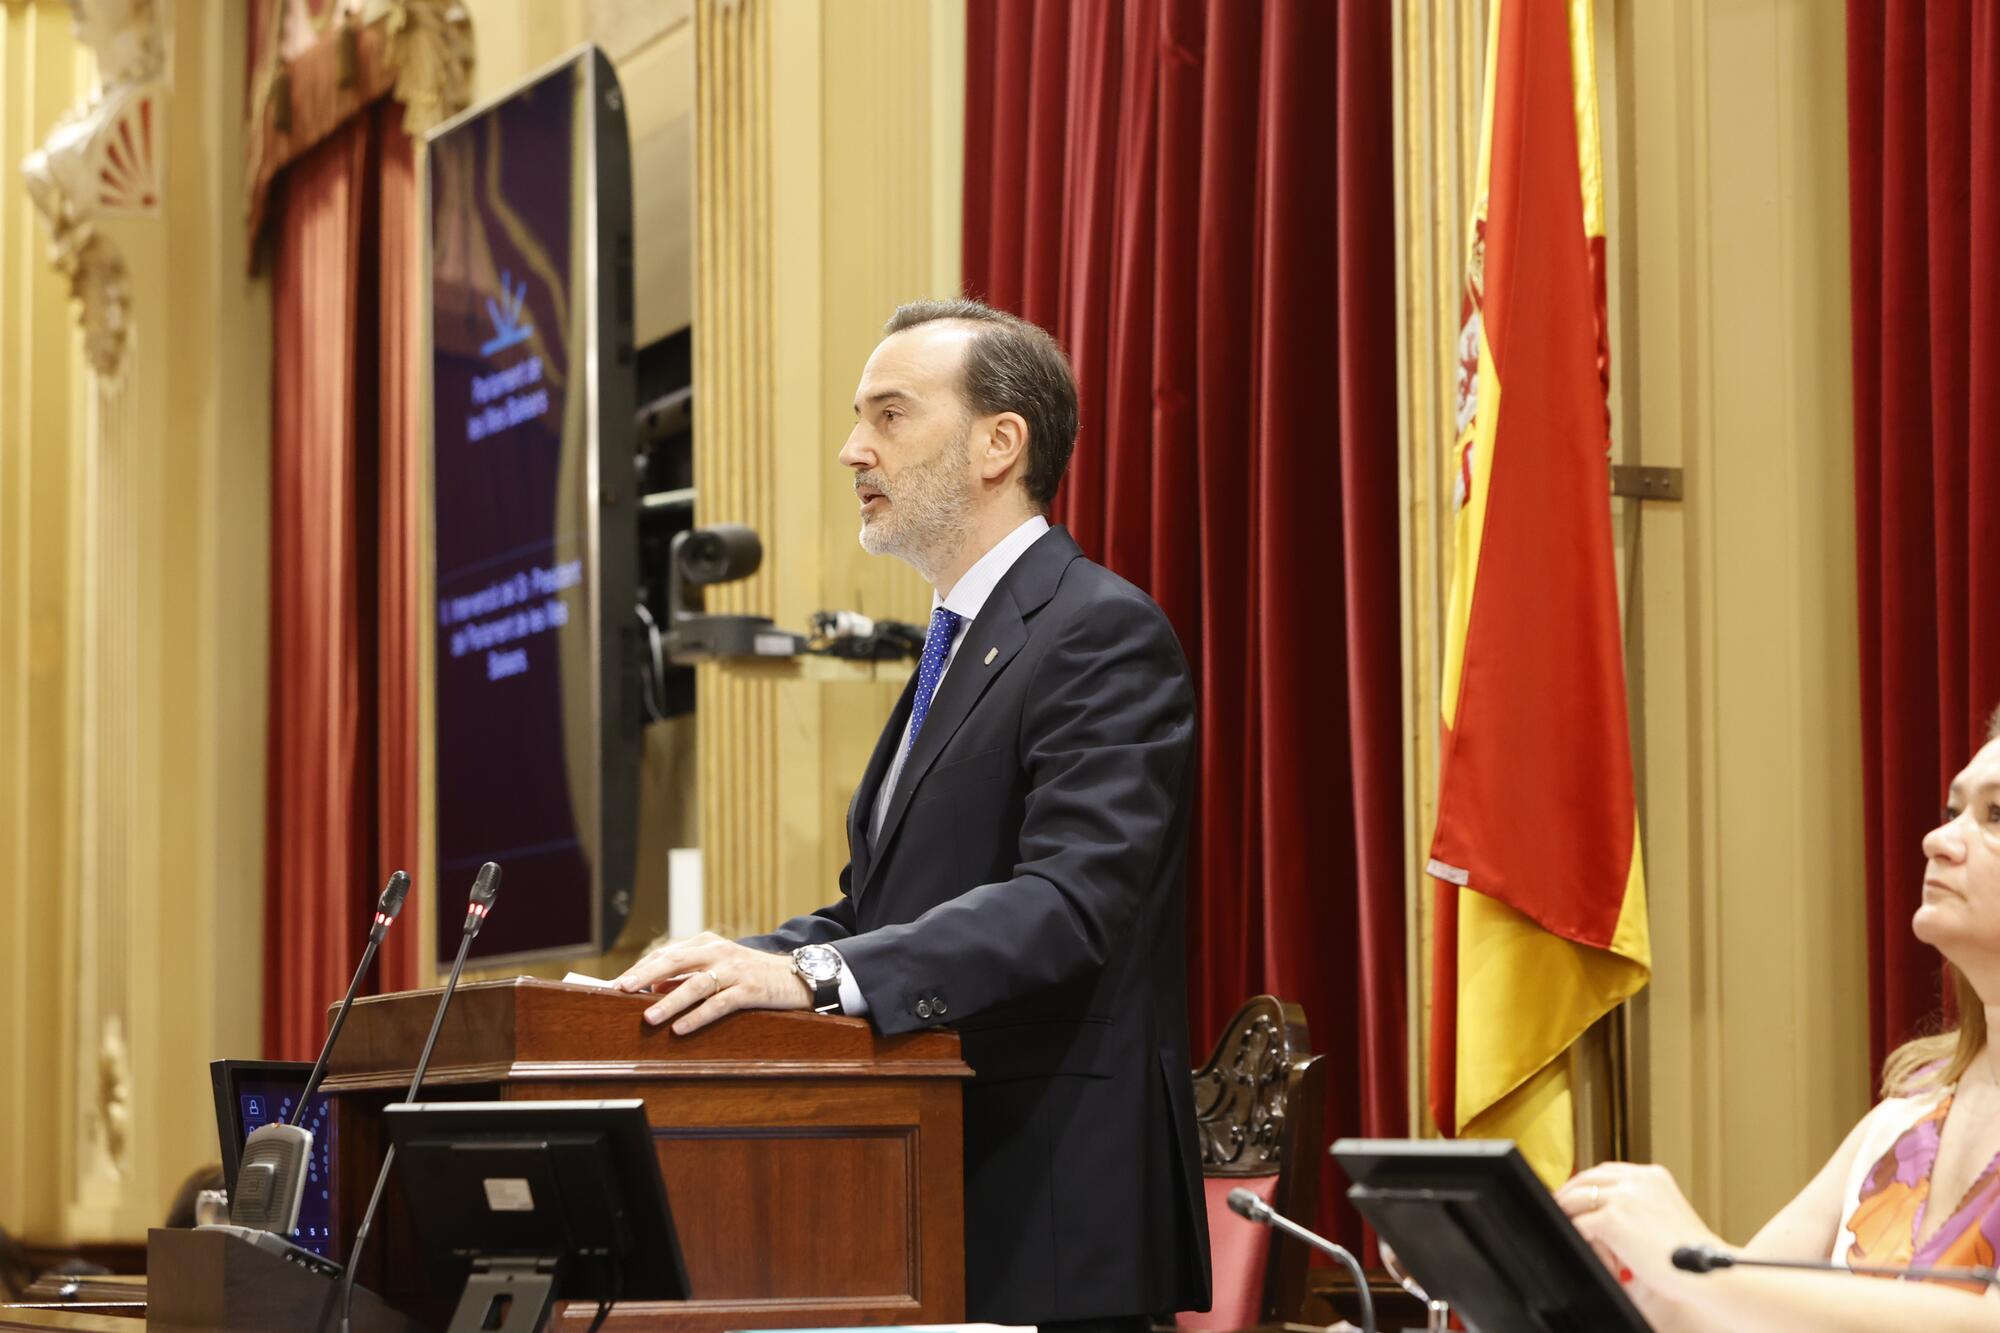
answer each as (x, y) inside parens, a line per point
(1541, 923)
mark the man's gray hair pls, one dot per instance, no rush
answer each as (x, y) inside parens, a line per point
(1012, 366)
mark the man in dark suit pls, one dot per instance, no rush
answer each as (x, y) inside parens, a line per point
(1017, 843)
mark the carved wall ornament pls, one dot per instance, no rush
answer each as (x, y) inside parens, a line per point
(321, 68)
(104, 159)
(430, 49)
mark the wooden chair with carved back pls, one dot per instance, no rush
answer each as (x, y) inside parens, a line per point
(1257, 1115)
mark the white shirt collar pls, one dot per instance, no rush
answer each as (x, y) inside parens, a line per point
(969, 594)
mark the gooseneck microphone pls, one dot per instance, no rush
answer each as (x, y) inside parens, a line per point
(387, 908)
(271, 1174)
(1247, 1205)
(484, 888)
(1706, 1259)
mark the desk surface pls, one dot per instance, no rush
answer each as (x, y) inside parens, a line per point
(14, 1318)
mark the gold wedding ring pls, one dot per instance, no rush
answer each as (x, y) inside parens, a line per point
(714, 978)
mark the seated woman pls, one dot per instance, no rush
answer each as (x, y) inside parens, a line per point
(1933, 1140)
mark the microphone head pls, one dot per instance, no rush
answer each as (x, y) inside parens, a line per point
(487, 884)
(393, 893)
(484, 888)
(1245, 1204)
(1699, 1259)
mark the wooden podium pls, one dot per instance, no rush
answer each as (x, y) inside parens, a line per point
(813, 1168)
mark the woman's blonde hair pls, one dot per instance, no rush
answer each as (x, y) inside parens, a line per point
(1937, 1061)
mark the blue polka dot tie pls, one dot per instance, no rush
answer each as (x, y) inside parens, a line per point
(937, 647)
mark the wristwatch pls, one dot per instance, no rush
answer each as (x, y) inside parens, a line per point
(819, 966)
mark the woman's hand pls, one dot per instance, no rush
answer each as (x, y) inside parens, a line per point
(1635, 1217)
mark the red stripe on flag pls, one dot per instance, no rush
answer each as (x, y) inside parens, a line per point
(1537, 796)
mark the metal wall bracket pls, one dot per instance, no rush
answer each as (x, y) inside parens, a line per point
(1646, 483)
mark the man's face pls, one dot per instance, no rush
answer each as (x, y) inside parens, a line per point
(1960, 914)
(908, 450)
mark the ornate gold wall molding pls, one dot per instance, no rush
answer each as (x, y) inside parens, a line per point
(105, 158)
(318, 71)
(430, 51)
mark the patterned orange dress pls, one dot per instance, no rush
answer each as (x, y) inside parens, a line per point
(1890, 1201)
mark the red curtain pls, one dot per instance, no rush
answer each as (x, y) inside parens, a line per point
(1197, 199)
(341, 780)
(1923, 85)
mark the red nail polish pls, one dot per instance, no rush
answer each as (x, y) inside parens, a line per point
(1624, 1275)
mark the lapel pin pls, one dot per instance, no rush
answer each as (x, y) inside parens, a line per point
(991, 653)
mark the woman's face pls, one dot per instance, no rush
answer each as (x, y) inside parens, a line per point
(1960, 915)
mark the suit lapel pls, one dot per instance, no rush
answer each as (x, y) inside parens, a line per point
(990, 643)
(861, 809)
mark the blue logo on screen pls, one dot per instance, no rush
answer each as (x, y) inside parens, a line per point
(510, 324)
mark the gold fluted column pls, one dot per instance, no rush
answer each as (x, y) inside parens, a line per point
(734, 459)
(133, 485)
(1440, 66)
(825, 195)
(41, 413)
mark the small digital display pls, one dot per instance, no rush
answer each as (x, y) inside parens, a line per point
(514, 497)
(262, 1102)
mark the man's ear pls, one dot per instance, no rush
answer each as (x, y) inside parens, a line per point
(1006, 446)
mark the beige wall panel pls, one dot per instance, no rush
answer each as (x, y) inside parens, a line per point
(658, 81)
(1755, 1031)
(513, 38)
(626, 27)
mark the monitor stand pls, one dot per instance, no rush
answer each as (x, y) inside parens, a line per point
(512, 1295)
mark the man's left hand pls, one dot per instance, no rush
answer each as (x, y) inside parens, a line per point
(718, 977)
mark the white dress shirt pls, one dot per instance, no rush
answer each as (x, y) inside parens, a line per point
(967, 599)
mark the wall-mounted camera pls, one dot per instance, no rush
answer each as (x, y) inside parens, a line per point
(698, 559)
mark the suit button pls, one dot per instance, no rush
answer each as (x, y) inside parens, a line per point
(923, 1008)
(938, 1007)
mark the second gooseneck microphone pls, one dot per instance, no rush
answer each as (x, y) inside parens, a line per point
(1247, 1205)
(484, 889)
(1706, 1259)
(271, 1176)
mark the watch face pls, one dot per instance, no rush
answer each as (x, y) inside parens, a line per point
(817, 962)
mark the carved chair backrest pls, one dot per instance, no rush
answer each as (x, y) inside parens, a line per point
(1257, 1108)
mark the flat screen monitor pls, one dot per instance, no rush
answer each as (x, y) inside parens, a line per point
(534, 516)
(573, 1183)
(250, 1094)
(1473, 1224)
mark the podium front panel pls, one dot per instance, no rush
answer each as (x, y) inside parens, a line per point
(814, 1169)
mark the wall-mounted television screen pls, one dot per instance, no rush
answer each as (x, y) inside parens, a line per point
(533, 520)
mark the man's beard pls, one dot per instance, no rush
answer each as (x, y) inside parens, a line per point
(929, 510)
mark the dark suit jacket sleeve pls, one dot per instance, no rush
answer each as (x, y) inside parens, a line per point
(1107, 734)
(829, 925)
